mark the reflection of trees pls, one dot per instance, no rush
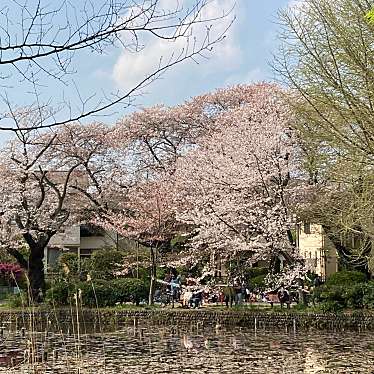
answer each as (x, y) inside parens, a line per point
(314, 362)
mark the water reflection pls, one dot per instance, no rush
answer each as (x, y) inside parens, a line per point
(150, 349)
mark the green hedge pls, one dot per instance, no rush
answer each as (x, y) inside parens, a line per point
(346, 291)
(98, 293)
(346, 278)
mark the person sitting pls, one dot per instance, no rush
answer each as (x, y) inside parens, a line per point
(284, 297)
(196, 299)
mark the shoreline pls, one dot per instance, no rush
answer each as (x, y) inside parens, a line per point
(117, 317)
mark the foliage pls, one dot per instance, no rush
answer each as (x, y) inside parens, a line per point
(345, 278)
(98, 293)
(368, 295)
(18, 300)
(370, 16)
(161, 272)
(346, 289)
(59, 293)
(68, 267)
(258, 282)
(255, 277)
(105, 263)
(326, 58)
(254, 272)
(10, 274)
(130, 289)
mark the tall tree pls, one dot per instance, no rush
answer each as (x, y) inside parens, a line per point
(235, 185)
(145, 215)
(45, 181)
(327, 58)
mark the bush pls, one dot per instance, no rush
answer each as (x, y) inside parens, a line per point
(10, 274)
(354, 294)
(258, 283)
(60, 293)
(346, 278)
(105, 263)
(131, 289)
(18, 300)
(98, 293)
(256, 272)
(368, 295)
(345, 291)
(331, 306)
(68, 266)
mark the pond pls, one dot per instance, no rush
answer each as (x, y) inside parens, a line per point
(156, 349)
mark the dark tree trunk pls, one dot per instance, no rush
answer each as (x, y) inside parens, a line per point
(35, 269)
(36, 274)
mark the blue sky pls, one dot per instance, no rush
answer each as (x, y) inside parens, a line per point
(242, 58)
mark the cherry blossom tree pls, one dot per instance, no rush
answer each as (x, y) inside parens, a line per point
(47, 179)
(235, 185)
(224, 161)
(144, 214)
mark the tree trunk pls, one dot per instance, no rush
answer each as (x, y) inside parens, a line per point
(153, 276)
(36, 273)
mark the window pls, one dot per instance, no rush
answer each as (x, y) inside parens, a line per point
(307, 228)
(91, 230)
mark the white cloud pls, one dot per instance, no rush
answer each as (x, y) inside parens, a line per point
(131, 67)
(252, 76)
(296, 5)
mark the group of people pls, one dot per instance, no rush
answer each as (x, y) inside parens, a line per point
(190, 294)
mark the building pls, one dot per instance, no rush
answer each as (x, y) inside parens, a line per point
(317, 249)
(83, 240)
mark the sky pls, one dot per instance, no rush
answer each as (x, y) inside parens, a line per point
(243, 57)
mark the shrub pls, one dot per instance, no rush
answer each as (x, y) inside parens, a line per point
(256, 272)
(130, 289)
(346, 278)
(18, 300)
(105, 263)
(338, 295)
(10, 274)
(60, 293)
(368, 295)
(98, 293)
(354, 294)
(331, 306)
(258, 282)
(68, 263)
(70, 267)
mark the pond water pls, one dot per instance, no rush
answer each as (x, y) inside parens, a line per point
(156, 349)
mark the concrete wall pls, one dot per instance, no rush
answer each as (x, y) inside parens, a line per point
(111, 319)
